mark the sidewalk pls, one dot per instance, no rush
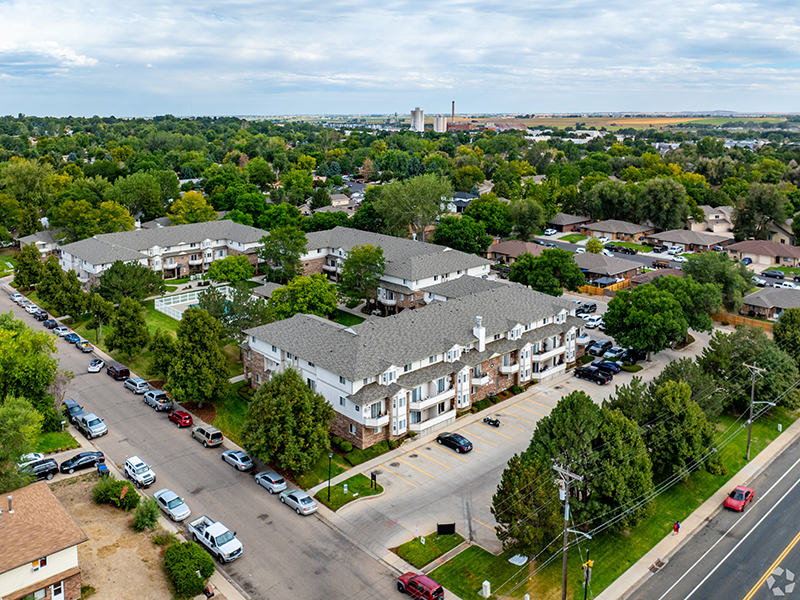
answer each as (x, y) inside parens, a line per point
(635, 576)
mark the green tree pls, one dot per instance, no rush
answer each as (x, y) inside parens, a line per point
(287, 423)
(237, 216)
(129, 280)
(320, 198)
(753, 213)
(234, 268)
(462, 233)
(594, 246)
(78, 219)
(367, 218)
(29, 222)
(183, 561)
(20, 425)
(361, 272)
(260, 173)
(282, 249)
(731, 277)
(645, 319)
(709, 395)
(413, 205)
(312, 295)
(322, 221)
(528, 217)
(29, 267)
(101, 311)
(71, 299)
(162, 350)
(632, 400)
(140, 193)
(244, 311)
(199, 371)
(191, 208)
(27, 366)
(663, 203)
(698, 300)
(28, 181)
(527, 519)
(549, 272)
(130, 334)
(786, 332)
(52, 280)
(493, 213)
(611, 200)
(10, 212)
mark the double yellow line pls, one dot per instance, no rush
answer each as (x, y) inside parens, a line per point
(772, 567)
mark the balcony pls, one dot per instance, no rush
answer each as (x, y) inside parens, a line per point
(332, 268)
(196, 261)
(432, 423)
(433, 400)
(377, 421)
(508, 369)
(482, 380)
(548, 354)
(386, 301)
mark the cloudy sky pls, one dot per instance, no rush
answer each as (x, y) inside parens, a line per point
(229, 57)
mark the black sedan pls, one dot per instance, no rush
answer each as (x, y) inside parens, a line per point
(455, 441)
(50, 324)
(84, 460)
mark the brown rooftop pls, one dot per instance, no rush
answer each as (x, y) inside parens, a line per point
(765, 248)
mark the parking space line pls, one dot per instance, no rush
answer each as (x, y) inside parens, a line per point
(482, 439)
(484, 524)
(449, 453)
(517, 417)
(539, 403)
(515, 428)
(418, 469)
(493, 430)
(529, 410)
(398, 476)
(434, 460)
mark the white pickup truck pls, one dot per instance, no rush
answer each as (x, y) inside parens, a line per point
(217, 538)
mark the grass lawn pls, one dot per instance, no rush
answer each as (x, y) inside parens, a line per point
(171, 288)
(631, 245)
(7, 262)
(358, 456)
(418, 554)
(465, 573)
(358, 486)
(52, 442)
(572, 238)
(319, 472)
(347, 319)
(231, 413)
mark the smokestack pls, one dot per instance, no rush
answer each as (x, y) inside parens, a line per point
(454, 111)
(10, 507)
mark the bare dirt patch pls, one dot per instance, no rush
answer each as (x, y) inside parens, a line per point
(118, 562)
(207, 414)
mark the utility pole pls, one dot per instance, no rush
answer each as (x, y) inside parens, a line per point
(587, 575)
(566, 477)
(754, 370)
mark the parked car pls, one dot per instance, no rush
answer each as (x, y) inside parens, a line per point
(32, 309)
(24, 302)
(594, 321)
(181, 418)
(84, 460)
(599, 347)
(50, 324)
(139, 472)
(613, 353)
(626, 250)
(659, 248)
(550, 232)
(612, 248)
(172, 504)
(608, 365)
(72, 410)
(759, 282)
(302, 503)
(592, 373)
(16, 297)
(157, 399)
(584, 316)
(580, 250)
(209, 436)
(84, 346)
(238, 459)
(118, 372)
(746, 261)
(90, 425)
(676, 249)
(773, 274)
(679, 259)
(96, 365)
(661, 264)
(633, 356)
(271, 481)
(739, 498)
(29, 458)
(41, 315)
(419, 586)
(602, 239)
(587, 308)
(41, 469)
(72, 338)
(456, 441)
(787, 285)
(218, 539)
(796, 278)
(137, 385)
(607, 253)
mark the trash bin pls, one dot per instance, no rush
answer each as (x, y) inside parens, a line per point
(102, 470)
(209, 591)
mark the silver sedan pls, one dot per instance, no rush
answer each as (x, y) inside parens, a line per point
(172, 504)
(238, 459)
(302, 503)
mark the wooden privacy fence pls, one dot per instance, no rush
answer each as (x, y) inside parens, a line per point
(606, 291)
(740, 320)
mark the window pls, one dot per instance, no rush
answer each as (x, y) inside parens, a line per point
(377, 430)
(406, 369)
(342, 380)
(358, 408)
(252, 339)
(375, 410)
(289, 356)
(416, 394)
(352, 429)
(401, 402)
(401, 424)
(167, 248)
(432, 360)
(258, 378)
(506, 360)
(274, 349)
(38, 564)
(248, 354)
(436, 278)
(342, 401)
(459, 272)
(312, 384)
(37, 595)
(170, 261)
(440, 385)
(440, 408)
(365, 381)
(192, 245)
(477, 371)
(311, 365)
(403, 297)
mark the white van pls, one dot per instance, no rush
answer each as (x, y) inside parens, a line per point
(676, 249)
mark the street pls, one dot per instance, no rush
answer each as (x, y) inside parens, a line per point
(286, 556)
(646, 260)
(750, 555)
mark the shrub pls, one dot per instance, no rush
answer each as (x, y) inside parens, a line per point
(147, 514)
(346, 446)
(631, 368)
(482, 404)
(182, 562)
(515, 389)
(336, 441)
(494, 399)
(110, 491)
(393, 444)
(358, 456)
(351, 304)
(162, 537)
(412, 434)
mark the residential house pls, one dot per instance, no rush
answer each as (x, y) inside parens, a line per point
(43, 240)
(769, 303)
(415, 370)
(782, 233)
(651, 275)
(173, 251)
(265, 291)
(564, 222)
(39, 549)
(765, 253)
(718, 220)
(157, 223)
(508, 252)
(411, 266)
(596, 266)
(695, 241)
(460, 202)
(618, 230)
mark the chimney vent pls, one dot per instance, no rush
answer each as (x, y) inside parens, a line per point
(10, 506)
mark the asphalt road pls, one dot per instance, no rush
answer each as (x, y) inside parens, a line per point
(644, 259)
(752, 555)
(286, 556)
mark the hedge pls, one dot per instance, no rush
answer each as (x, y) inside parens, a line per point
(109, 491)
(182, 562)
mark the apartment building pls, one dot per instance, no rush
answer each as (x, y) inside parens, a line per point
(39, 550)
(411, 266)
(173, 251)
(414, 371)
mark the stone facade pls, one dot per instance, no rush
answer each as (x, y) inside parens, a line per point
(364, 436)
(254, 370)
(314, 266)
(496, 383)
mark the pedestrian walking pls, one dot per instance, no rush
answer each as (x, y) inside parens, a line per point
(677, 527)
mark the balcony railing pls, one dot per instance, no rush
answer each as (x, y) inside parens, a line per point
(538, 357)
(433, 422)
(387, 301)
(424, 403)
(482, 380)
(508, 369)
(377, 421)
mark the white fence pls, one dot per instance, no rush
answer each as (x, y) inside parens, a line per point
(183, 301)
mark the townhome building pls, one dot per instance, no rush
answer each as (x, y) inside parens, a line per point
(411, 266)
(39, 549)
(45, 241)
(173, 251)
(416, 370)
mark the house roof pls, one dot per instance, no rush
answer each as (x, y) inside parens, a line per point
(462, 286)
(266, 290)
(604, 265)
(98, 252)
(405, 259)
(345, 208)
(515, 248)
(774, 298)
(157, 223)
(39, 526)
(614, 226)
(369, 348)
(40, 236)
(565, 219)
(648, 277)
(684, 236)
(765, 248)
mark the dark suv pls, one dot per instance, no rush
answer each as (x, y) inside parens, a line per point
(41, 315)
(118, 372)
(72, 410)
(659, 248)
(41, 469)
(633, 356)
(599, 348)
(773, 274)
(586, 309)
(593, 373)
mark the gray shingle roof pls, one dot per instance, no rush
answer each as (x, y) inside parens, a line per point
(373, 391)
(514, 248)
(365, 350)
(604, 265)
(266, 290)
(765, 248)
(40, 236)
(774, 298)
(98, 252)
(565, 219)
(462, 286)
(683, 236)
(405, 259)
(614, 226)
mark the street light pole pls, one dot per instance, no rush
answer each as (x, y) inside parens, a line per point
(330, 458)
(754, 370)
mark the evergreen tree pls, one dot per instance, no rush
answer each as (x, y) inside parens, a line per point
(28, 271)
(130, 334)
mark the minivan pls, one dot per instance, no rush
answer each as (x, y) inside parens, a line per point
(118, 372)
(137, 385)
(209, 436)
